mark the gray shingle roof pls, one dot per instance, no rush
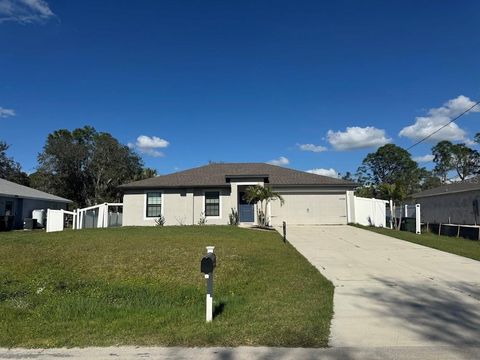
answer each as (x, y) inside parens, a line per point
(457, 187)
(8, 188)
(216, 175)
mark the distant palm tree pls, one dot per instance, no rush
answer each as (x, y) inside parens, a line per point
(262, 195)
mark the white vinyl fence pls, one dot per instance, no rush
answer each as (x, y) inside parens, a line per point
(366, 211)
(97, 216)
(56, 219)
(406, 211)
(374, 212)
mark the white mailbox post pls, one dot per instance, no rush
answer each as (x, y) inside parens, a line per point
(207, 266)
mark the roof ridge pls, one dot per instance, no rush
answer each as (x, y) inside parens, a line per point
(214, 174)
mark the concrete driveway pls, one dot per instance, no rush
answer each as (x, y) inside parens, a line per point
(390, 292)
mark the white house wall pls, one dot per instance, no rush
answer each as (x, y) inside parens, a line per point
(311, 206)
(179, 207)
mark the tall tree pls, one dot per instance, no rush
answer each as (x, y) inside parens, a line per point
(85, 166)
(111, 165)
(348, 176)
(64, 163)
(430, 181)
(465, 161)
(455, 157)
(10, 169)
(391, 164)
(442, 157)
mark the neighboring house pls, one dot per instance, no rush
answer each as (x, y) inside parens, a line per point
(18, 201)
(455, 203)
(214, 190)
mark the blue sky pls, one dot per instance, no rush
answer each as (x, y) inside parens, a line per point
(312, 84)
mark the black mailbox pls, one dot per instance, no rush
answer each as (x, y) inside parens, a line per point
(209, 262)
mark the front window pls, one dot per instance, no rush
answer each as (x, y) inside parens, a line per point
(212, 203)
(154, 204)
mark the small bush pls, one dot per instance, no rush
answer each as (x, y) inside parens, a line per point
(233, 218)
(202, 220)
(160, 221)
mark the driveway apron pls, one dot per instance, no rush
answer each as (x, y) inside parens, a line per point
(390, 292)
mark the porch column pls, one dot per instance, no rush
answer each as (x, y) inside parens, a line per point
(234, 196)
(190, 206)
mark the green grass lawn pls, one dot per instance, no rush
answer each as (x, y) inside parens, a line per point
(143, 286)
(458, 246)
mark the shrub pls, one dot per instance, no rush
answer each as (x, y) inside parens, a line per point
(160, 221)
(233, 218)
(203, 219)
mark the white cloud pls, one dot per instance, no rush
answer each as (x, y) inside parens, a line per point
(25, 11)
(149, 145)
(357, 138)
(151, 142)
(6, 112)
(424, 159)
(325, 172)
(312, 148)
(282, 160)
(437, 117)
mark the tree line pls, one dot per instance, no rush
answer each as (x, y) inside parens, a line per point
(391, 173)
(83, 165)
(87, 166)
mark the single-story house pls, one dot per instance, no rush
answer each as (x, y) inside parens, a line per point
(17, 202)
(212, 191)
(456, 203)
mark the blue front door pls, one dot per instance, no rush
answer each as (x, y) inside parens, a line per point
(246, 211)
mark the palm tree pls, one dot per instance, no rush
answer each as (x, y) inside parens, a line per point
(397, 193)
(263, 196)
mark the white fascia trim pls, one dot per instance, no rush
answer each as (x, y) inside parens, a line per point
(286, 190)
(247, 183)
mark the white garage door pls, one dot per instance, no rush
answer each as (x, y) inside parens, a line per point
(310, 209)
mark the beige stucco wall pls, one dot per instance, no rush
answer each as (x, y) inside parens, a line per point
(312, 206)
(456, 208)
(179, 206)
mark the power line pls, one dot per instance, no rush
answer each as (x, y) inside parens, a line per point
(444, 126)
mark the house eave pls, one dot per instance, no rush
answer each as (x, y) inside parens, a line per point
(150, 187)
(18, 196)
(419, 196)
